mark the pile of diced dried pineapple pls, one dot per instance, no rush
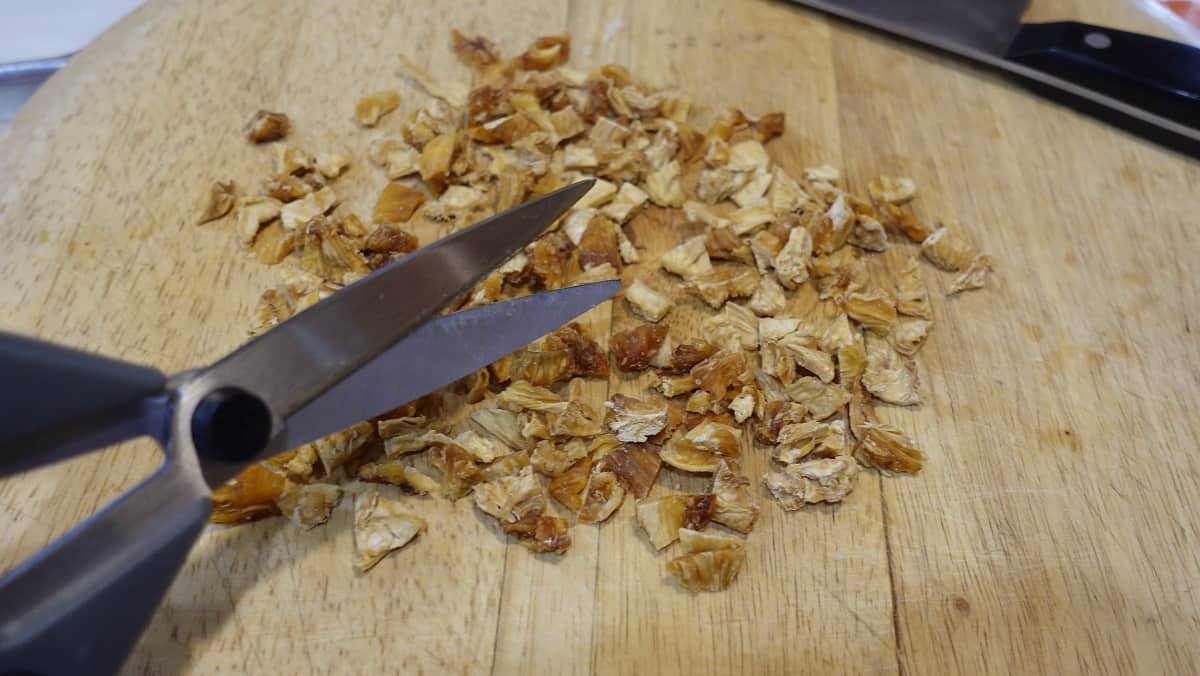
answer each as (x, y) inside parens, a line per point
(800, 388)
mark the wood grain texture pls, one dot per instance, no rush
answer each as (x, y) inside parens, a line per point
(1053, 530)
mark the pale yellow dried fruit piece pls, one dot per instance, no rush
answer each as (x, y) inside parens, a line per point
(702, 401)
(335, 449)
(575, 420)
(552, 459)
(600, 193)
(869, 234)
(785, 194)
(834, 228)
(627, 200)
(893, 189)
(601, 498)
(635, 420)
(409, 480)
(822, 480)
(754, 192)
(806, 354)
(294, 215)
(661, 518)
(575, 223)
(511, 498)
(698, 212)
(567, 123)
(403, 435)
(748, 155)
(764, 246)
(371, 108)
(501, 424)
(664, 185)
(718, 286)
(222, 195)
(973, 276)
(646, 302)
(521, 395)
(674, 386)
(331, 165)
(791, 263)
(948, 248)
(717, 183)
(768, 299)
(455, 203)
(909, 335)
(701, 448)
(749, 220)
(253, 213)
(694, 541)
(887, 448)
(797, 440)
(688, 260)
(912, 298)
(778, 362)
(744, 404)
(736, 505)
(709, 571)
(875, 310)
(303, 462)
(397, 157)
(291, 160)
(889, 376)
(482, 448)
(735, 328)
(579, 156)
(309, 505)
(822, 400)
(381, 526)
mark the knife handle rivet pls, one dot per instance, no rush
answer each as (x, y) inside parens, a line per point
(1097, 40)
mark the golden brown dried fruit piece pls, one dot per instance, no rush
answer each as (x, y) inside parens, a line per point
(221, 197)
(972, 277)
(309, 506)
(511, 498)
(886, 447)
(889, 376)
(567, 488)
(397, 203)
(635, 420)
(381, 526)
(634, 349)
(646, 302)
(249, 496)
(736, 504)
(662, 518)
(542, 534)
(266, 126)
(409, 480)
(823, 480)
(635, 465)
(701, 448)
(601, 497)
(474, 50)
(712, 562)
(948, 248)
(372, 107)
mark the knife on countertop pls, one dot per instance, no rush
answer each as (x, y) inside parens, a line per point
(1143, 84)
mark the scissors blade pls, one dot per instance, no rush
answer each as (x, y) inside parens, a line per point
(439, 353)
(295, 362)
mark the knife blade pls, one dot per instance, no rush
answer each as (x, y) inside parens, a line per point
(1144, 84)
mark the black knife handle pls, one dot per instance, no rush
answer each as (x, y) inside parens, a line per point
(1158, 76)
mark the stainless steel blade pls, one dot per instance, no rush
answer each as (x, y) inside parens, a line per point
(293, 363)
(439, 353)
(968, 27)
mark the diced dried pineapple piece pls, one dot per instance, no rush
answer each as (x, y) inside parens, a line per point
(509, 499)
(889, 376)
(646, 302)
(894, 189)
(948, 248)
(688, 260)
(791, 262)
(973, 276)
(309, 506)
(381, 526)
(822, 480)
(372, 107)
(736, 504)
(661, 518)
(635, 420)
(709, 570)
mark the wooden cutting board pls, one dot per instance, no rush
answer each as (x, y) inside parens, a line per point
(1053, 530)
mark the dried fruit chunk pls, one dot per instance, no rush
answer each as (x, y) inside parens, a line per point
(509, 499)
(721, 372)
(708, 571)
(309, 506)
(397, 158)
(796, 441)
(330, 255)
(634, 349)
(635, 465)
(718, 286)
(221, 197)
(381, 526)
(869, 234)
(776, 415)
(685, 357)
(602, 496)
(662, 518)
(911, 297)
(576, 420)
(401, 435)
(483, 448)
(635, 420)
(791, 262)
(889, 376)
(822, 400)
(734, 329)
(587, 359)
(736, 505)
(598, 244)
(459, 471)
(397, 203)
(893, 189)
(768, 299)
(823, 480)
(500, 423)
(509, 465)
(688, 260)
(627, 200)
(874, 310)
(521, 395)
(664, 185)
(542, 534)
(409, 480)
(948, 248)
(701, 448)
(436, 157)
(253, 213)
(973, 276)
(646, 302)
(337, 448)
(567, 488)
(474, 50)
(723, 244)
(547, 52)
(371, 108)
(295, 215)
(769, 126)
(266, 126)
(909, 335)
(249, 496)
(330, 165)
(552, 459)
(886, 447)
